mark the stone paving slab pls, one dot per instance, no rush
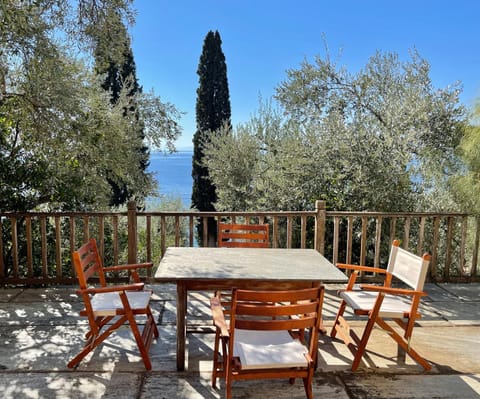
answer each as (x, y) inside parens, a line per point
(69, 385)
(413, 386)
(464, 292)
(51, 294)
(197, 386)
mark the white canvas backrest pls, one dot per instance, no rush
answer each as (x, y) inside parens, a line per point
(409, 268)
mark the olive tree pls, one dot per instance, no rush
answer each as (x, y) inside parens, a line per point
(382, 139)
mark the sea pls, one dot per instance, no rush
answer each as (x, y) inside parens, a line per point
(173, 173)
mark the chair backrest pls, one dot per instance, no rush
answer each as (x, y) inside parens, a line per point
(407, 267)
(290, 310)
(87, 263)
(243, 235)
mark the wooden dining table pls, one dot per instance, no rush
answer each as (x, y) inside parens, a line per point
(199, 269)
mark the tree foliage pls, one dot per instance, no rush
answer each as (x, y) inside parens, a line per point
(117, 67)
(212, 112)
(466, 186)
(382, 139)
(59, 131)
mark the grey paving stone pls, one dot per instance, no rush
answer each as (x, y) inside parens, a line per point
(414, 386)
(69, 385)
(465, 292)
(196, 386)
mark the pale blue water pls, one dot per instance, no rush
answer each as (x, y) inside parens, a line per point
(173, 173)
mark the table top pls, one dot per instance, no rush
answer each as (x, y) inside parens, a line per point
(199, 263)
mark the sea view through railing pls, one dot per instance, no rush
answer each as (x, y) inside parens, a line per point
(173, 173)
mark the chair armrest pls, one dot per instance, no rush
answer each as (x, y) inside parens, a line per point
(113, 288)
(370, 269)
(128, 267)
(218, 316)
(391, 290)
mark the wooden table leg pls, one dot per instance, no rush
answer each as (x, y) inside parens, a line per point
(181, 324)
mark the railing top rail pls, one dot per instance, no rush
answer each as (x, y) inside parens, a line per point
(61, 214)
(228, 213)
(214, 214)
(397, 214)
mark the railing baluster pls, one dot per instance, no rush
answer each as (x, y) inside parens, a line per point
(58, 248)
(148, 236)
(28, 233)
(475, 247)
(378, 240)
(448, 253)
(86, 233)
(289, 231)
(205, 231)
(275, 232)
(436, 233)
(115, 239)
(101, 236)
(421, 236)
(349, 240)
(303, 234)
(190, 229)
(363, 242)
(461, 263)
(163, 234)
(177, 231)
(393, 229)
(336, 233)
(43, 233)
(13, 221)
(72, 243)
(406, 233)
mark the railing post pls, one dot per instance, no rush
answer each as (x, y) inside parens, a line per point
(132, 232)
(320, 217)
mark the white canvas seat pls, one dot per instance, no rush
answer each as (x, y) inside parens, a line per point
(378, 303)
(392, 306)
(110, 303)
(267, 349)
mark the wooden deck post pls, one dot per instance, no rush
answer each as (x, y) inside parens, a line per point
(132, 232)
(320, 217)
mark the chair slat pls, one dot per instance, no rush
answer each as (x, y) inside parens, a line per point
(243, 235)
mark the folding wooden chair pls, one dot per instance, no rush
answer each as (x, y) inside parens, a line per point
(385, 302)
(264, 337)
(243, 235)
(114, 305)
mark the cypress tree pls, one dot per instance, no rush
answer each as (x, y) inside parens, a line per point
(115, 60)
(212, 112)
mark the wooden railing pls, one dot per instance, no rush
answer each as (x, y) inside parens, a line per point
(36, 247)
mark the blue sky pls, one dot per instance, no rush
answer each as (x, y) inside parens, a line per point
(261, 39)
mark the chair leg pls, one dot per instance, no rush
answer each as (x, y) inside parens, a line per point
(152, 321)
(141, 340)
(216, 364)
(404, 344)
(360, 350)
(340, 312)
(307, 383)
(92, 343)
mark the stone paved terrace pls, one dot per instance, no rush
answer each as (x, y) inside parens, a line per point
(40, 331)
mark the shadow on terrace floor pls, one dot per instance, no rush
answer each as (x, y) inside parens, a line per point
(40, 331)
